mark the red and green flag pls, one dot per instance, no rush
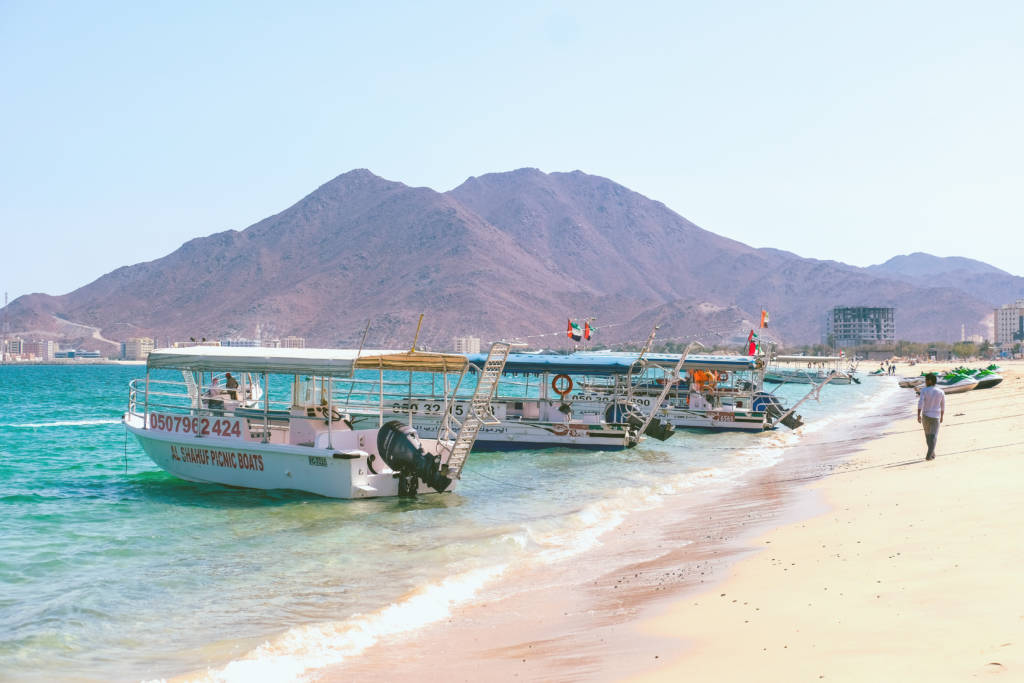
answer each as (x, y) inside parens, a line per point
(574, 331)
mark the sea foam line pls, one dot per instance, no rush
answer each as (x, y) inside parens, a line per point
(63, 423)
(291, 656)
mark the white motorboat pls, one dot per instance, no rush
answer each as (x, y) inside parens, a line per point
(537, 406)
(791, 370)
(203, 431)
(716, 393)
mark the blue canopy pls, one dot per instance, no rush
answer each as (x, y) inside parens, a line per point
(535, 364)
(695, 361)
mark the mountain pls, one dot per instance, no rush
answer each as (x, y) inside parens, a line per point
(502, 255)
(979, 279)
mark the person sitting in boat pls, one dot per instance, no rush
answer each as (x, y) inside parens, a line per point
(214, 389)
(232, 385)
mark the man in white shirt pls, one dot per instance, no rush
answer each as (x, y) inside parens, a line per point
(931, 408)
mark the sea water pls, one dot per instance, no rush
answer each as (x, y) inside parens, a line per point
(111, 569)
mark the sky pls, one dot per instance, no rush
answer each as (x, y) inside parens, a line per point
(846, 131)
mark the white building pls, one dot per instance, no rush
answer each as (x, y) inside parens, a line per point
(293, 342)
(855, 325)
(467, 345)
(137, 348)
(1009, 323)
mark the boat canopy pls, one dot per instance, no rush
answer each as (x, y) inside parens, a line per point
(324, 362)
(422, 361)
(694, 361)
(537, 363)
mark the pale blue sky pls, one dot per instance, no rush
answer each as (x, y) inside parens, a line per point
(851, 131)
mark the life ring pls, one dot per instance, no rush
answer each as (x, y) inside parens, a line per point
(562, 384)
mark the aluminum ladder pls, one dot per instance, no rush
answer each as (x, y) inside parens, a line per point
(479, 412)
(193, 388)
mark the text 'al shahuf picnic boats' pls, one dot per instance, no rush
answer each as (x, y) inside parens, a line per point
(536, 407)
(281, 426)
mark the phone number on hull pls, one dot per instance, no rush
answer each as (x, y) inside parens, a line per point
(199, 426)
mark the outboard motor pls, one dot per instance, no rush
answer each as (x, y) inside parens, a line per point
(773, 406)
(400, 448)
(619, 412)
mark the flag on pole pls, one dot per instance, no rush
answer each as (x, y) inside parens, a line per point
(586, 330)
(752, 341)
(574, 332)
(764, 318)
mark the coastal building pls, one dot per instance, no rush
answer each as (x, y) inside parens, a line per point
(43, 349)
(293, 342)
(467, 344)
(15, 346)
(190, 343)
(857, 325)
(1009, 324)
(137, 348)
(251, 343)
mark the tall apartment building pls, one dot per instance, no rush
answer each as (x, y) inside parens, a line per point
(42, 349)
(467, 345)
(293, 342)
(15, 346)
(137, 348)
(1009, 323)
(855, 325)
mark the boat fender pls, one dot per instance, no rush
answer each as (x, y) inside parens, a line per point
(562, 384)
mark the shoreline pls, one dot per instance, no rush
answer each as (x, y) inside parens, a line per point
(910, 573)
(583, 625)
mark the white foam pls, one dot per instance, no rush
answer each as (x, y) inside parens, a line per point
(63, 423)
(299, 650)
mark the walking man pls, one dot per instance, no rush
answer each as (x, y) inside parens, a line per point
(931, 408)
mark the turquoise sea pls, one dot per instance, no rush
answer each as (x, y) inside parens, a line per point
(111, 569)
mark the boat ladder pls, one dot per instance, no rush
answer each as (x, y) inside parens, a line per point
(479, 412)
(193, 388)
(670, 381)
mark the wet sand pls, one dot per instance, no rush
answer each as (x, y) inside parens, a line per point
(602, 615)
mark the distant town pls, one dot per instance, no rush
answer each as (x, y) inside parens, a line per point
(868, 332)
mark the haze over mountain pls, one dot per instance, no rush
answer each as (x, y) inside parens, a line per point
(502, 255)
(981, 280)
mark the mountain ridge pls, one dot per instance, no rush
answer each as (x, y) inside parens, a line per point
(502, 254)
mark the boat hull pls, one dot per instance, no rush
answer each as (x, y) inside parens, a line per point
(516, 435)
(326, 472)
(988, 382)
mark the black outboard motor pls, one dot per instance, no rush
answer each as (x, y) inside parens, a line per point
(773, 406)
(399, 446)
(620, 411)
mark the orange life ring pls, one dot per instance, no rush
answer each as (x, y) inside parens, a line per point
(562, 384)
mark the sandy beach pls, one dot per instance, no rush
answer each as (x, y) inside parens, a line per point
(848, 561)
(913, 573)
